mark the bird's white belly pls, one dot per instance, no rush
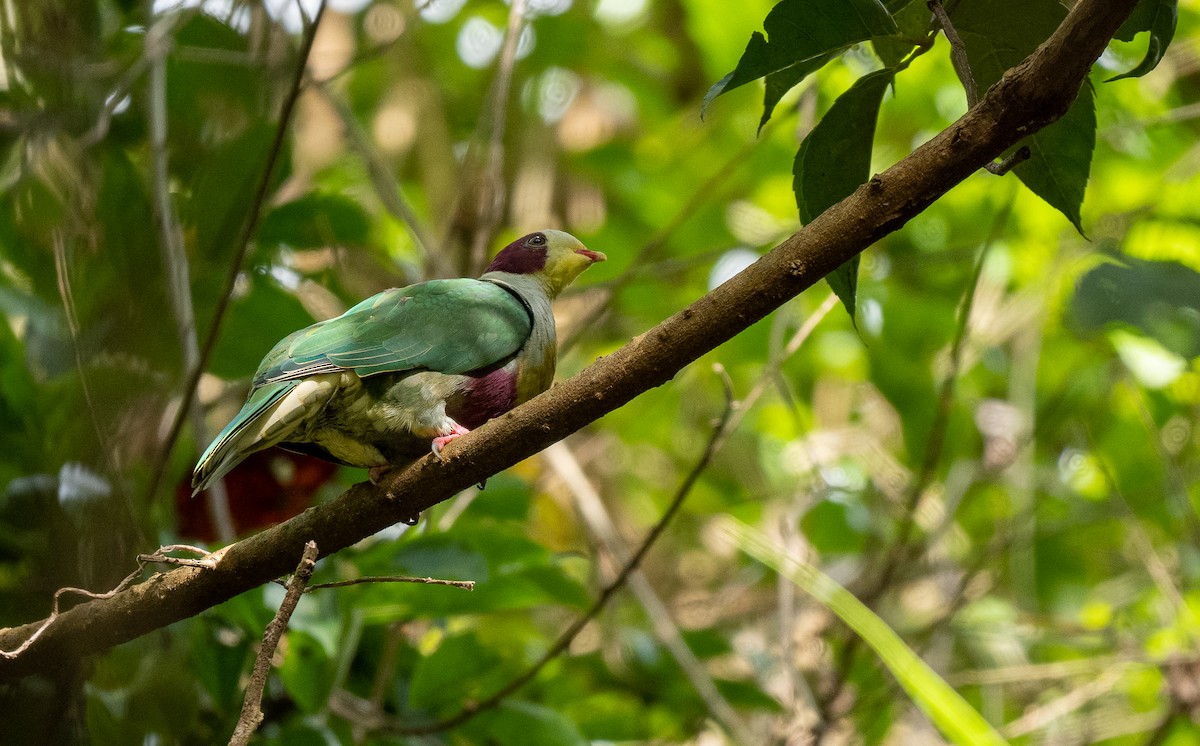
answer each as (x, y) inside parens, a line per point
(361, 426)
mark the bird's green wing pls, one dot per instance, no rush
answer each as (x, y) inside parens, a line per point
(449, 326)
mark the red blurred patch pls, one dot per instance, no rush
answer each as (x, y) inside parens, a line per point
(266, 488)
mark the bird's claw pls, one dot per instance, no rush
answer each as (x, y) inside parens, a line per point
(457, 431)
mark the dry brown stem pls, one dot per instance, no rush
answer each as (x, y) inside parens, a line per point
(252, 714)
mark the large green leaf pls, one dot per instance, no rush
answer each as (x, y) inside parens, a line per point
(254, 323)
(314, 221)
(801, 30)
(525, 724)
(781, 81)
(1159, 18)
(835, 159)
(1060, 157)
(222, 188)
(307, 671)
(1161, 299)
(912, 20)
(458, 669)
(956, 719)
(999, 34)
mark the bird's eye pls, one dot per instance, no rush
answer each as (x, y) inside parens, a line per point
(536, 239)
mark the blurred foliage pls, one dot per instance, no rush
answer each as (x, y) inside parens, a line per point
(1050, 520)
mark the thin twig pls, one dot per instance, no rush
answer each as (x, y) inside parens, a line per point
(1018, 157)
(54, 611)
(958, 52)
(142, 561)
(365, 55)
(1038, 718)
(568, 636)
(252, 714)
(243, 245)
(962, 68)
(466, 585)
(208, 560)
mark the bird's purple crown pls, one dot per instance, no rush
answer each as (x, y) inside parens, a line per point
(524, 256)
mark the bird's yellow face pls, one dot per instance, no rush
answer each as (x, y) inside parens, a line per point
(553, 258)
(566, 258)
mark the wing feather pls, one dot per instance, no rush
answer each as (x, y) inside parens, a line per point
(448, 326)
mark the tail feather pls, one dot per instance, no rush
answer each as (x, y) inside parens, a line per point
(231, 445)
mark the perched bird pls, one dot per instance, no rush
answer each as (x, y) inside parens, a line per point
(410, 368)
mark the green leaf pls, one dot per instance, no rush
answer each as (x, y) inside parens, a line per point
(217, 664)
(801, 30)
(835, 159)
(998, 35)
(1160, 299)
(1159, 18)
(526, 724)
(608, 715)
(912, 20)
(1060, 157)
(780, 82)
(222, 189)
(746, 695)
(956, 719)
(451, 674)
(253, 324)
(315, 221)
(832, 527)
(307, 672)
(212, 95)
(439, 555)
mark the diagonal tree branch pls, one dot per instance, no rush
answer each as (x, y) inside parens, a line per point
(1027, 98)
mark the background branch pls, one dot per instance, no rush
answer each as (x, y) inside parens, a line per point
(466, 585)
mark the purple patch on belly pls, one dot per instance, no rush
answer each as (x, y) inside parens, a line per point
(484, 397)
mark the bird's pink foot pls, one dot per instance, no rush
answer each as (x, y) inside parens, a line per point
(456, 431)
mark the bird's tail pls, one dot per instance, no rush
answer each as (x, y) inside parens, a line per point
(241, 437)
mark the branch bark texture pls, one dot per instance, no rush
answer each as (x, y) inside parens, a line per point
(1027, 98)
